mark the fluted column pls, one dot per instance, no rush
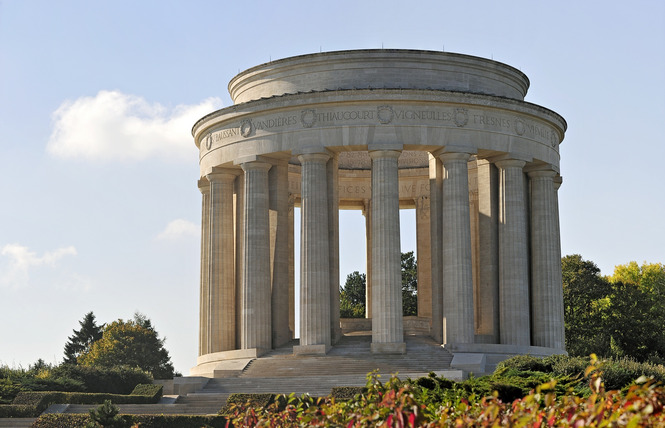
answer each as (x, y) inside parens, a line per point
(456, 250)
(387, 324)
(256, 302)
(546, 288)
(435, 192)
(368, 264)
(333, 245)
(204, 302)
(292, 268)
(487, 317)
(424, 247)
(513, 255)
(278, 177)
(314, 254)
(221, 312)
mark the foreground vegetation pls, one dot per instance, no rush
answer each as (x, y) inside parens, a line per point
(437, 402)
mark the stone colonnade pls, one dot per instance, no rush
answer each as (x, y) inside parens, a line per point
(495, 279)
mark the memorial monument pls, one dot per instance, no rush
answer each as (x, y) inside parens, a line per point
(378, 130)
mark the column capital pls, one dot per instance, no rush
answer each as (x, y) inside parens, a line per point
(385, 146)
(314, 157)
(541, 173)
(510, 163)
(453, 149)
(219, 175)
(558, 180)
(254, 165)
(384, 153)
(203, 184)
(454, 156)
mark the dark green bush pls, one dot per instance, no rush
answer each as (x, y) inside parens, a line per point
(346, 392)
(254, 400)
(117, 380)
(149, 390)
(17, 411)
(68, 420)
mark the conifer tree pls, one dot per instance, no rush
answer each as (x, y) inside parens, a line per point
(81, 341)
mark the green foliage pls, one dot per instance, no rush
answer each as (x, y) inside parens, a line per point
(106, 415)
(352, 296)
(17, 411)
(115, 380)
(346, 392)
(429, 402)
(133, 343)
(409, 284)
(81, 341)
(619, 316)
(149, 390)
(67, 420)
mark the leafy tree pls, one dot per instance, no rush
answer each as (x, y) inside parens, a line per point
(80, 342)
(409, 284)
(352, 296)
(586, 301)
(133, 343)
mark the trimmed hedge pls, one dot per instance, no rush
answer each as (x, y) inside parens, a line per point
(68, 420)
(32, 403)
(347, 392)
(254, 400)
(117, 380)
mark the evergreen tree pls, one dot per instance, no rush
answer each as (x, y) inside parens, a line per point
(82, 339)
(352, 296)
(409, 284)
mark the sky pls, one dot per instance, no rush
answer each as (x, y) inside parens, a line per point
(99, 208)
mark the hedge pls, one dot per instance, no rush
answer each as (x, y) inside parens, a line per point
(347, 392)
(69, 420)
(32, 403)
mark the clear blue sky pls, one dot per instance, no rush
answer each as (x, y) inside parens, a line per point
(99, 208)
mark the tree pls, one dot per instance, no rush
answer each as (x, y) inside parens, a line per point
(352, 296)
(409, 284)
(586, 301)
(82, 339)
(133, 343)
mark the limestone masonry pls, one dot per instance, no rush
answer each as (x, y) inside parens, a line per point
(378, 130)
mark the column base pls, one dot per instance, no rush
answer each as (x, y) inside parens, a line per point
(388, 348)
(311, 349)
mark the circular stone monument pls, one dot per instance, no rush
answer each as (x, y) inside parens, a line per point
(378, 130)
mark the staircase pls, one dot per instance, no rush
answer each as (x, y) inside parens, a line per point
(347, 364)
(279, 371)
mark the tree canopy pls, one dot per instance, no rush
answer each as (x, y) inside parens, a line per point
(622, 315)
(133, 343)
(352, 294)
(83, 338)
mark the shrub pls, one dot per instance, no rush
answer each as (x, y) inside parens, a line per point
(346, 392)
(116, 380)
(149, 390)
(68, 420)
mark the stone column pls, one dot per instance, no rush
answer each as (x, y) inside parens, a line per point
(424, 247)
(314, 257)
(435, 192)
(513, 255)
(279, 216)
(456, 250)
(333, 244)
(256, 301)
(487, 317)
(368, 245)
(387, 324)
(204, 187)
(240, 251)
(546, 288)
(221, 312)
(292, 268)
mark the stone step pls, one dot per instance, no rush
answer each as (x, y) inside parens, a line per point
(16, 422)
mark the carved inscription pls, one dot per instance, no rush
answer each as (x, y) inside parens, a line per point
(382, 115)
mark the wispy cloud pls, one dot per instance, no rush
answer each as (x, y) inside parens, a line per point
(113, 126)
(178, 229)
(17, 261)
